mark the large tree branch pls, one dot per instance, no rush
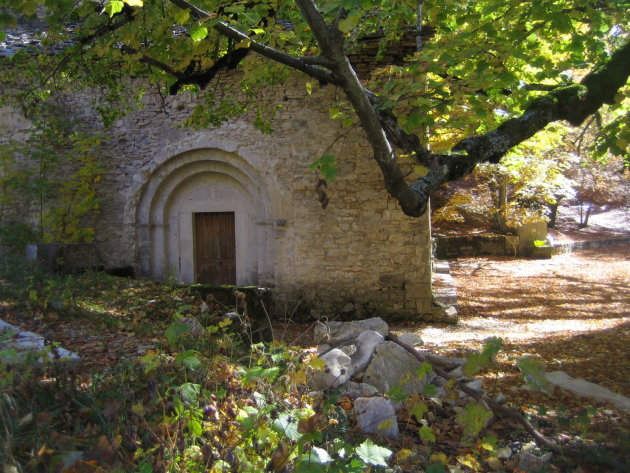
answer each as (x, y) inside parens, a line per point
(331, 42)
(572, 103)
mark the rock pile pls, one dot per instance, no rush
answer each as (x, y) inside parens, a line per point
(361, 364)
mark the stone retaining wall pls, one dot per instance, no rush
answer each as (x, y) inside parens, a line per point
(475, 245)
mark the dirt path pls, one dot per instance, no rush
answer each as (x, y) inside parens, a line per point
(573, 312)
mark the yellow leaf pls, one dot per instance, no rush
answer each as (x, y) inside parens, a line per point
(421, 170)
(279, 458)
(385, 425)
(317, 363)
(299, 377)
(243, 44)
(134, 3)
(470, 461)
(438, 457)
(403, 454)
(138, 409)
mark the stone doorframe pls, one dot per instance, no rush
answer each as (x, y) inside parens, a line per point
(202, 180)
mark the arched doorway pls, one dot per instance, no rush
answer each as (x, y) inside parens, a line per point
(202, 217)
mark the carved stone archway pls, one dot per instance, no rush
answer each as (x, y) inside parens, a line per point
(196, 181)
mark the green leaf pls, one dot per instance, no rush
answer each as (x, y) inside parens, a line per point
(198, 32)
(426, 433)
(189, 391)
(327, 165)
(113, 7)
(436, 468)
(373, 454)
(477, 361)
(534, 374)
(474, 418)
(260, 372)
(182, 16)
(419, 410)
(188, 359)
(350, 22)
(287, 424)
(397, 393)
(430, 390)
(174, 332)
(424, 369)
(134, 3)
(194, 427)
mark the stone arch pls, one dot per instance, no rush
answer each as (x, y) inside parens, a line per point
(203, 180)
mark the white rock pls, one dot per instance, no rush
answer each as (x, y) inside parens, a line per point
(530, 462)
(366, 342)
(375, 415)
(582, 387)
(338, 370)
(392, 366)
(451, 312)
(412, 339)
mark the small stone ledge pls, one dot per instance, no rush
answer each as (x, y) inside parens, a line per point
(560, 248)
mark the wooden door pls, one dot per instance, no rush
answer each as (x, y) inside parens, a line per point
(215, 258)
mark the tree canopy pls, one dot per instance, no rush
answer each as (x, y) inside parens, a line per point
(484, 75)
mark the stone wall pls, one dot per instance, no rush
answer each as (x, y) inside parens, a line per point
(358, 256)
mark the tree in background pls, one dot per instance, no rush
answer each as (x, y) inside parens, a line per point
(492, 75)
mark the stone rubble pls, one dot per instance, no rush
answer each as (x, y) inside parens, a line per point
(361, 364)
(16, 345)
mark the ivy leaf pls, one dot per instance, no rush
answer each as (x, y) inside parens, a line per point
(430, 390)
(397, 393)
(424, 369)
(373, 454)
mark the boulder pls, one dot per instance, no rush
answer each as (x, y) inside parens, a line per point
(392, 366)
(365, 344)
(338, 370)
(335, 333)
(582, 387)
(375, 415)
